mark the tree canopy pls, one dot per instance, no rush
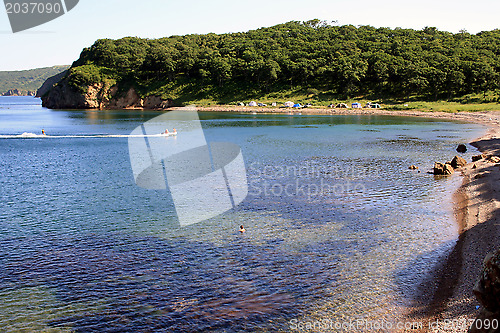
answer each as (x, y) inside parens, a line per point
(345, 60)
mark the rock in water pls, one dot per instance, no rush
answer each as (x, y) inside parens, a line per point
(478, 157)
(462, 148)
(487, 291)
(443, 169)
(438, 168)
(413, 167)
(458, 162)
(448, 169)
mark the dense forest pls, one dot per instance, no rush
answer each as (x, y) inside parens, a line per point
(27, 80)
(315, 57)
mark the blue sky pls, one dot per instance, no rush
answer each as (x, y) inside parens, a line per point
(61, 41)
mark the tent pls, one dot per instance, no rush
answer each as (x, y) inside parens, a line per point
(289, 104)
(297, 105)
(356, 105)
(252, 103)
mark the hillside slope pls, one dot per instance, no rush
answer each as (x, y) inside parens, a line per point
(28, 81)
(312, 59)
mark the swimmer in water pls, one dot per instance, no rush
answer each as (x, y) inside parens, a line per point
(242, 229)
(43, 132)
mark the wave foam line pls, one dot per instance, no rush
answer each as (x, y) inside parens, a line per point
(40, 136)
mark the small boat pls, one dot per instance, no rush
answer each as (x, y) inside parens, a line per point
(169, 134)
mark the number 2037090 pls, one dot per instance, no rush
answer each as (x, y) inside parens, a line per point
(33, 7)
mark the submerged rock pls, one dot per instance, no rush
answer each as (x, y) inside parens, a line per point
(461, 148)
(458, 162)
(487, 291)
(443, 169)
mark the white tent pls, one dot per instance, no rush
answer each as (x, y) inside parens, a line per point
(289, 104)
(252, 103)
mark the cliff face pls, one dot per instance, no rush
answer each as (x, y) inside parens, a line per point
(49, 83)
(17, 92)
(62, 95)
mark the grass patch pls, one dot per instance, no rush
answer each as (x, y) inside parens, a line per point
(444, 106)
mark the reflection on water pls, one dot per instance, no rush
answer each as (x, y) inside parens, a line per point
(337, 226)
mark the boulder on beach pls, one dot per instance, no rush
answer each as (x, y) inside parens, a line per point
(494, 159)
(461, 148)
(487, 291)
(458, 162)
(443, 169)
(476, 158)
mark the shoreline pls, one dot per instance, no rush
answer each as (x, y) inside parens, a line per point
(447, 293)
(489, 118)
(476, 211)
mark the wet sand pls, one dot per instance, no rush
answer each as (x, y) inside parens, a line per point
(448, 292)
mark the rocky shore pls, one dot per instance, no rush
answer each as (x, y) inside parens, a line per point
(57, 93)
(17, 92)
(449, 294)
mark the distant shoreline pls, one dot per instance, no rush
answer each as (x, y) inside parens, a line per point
(481, 117)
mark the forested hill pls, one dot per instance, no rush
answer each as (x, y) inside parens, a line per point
(313, 56)
(28, 81)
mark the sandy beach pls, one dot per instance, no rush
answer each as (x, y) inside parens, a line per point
(448, 292)
(476, 210)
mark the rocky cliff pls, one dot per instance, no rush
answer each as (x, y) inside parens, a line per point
(62, 95)
(17, 92)
(50, 83)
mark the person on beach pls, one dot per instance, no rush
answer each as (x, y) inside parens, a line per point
(175, 131)
(43, 132)
(242, 229)
(166, 132)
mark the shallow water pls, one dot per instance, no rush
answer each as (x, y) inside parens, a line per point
(337, 226)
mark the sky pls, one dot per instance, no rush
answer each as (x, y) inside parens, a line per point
(59, 42)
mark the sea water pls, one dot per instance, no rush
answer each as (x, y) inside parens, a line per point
(338, 228)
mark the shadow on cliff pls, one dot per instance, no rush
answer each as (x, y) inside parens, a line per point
(449, 285)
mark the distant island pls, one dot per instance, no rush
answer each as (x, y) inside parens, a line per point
(307, 62)
(26, 82)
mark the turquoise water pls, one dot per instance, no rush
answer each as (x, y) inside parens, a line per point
(337, 226)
